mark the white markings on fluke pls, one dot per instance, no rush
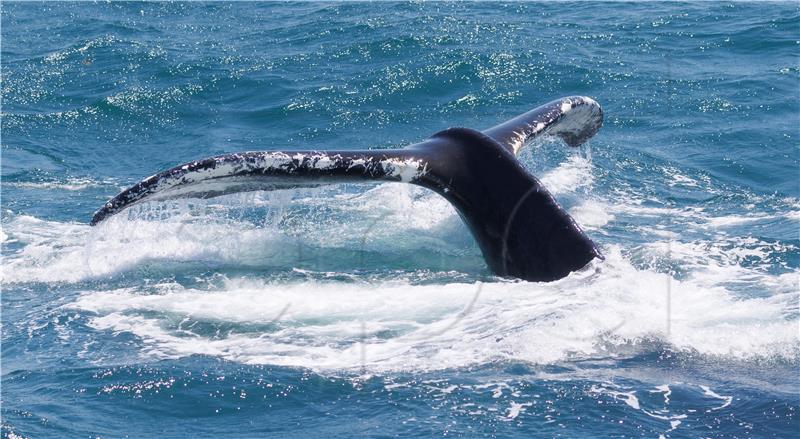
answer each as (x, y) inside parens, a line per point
(570, 116)
(213, 172)
(408, 170)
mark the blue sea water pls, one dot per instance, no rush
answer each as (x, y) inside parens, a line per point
(350, 311)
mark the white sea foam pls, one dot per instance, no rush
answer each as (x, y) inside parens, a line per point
(606, 310)
(610, 309)
(664, 411)
(70, 184)
(570, 175)
(395, 216)
(71, 252)
(516, 408)
(592, 214)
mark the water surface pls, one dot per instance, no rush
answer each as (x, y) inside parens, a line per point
(368, 311)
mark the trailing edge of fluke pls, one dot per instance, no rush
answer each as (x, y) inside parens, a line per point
(518, 225)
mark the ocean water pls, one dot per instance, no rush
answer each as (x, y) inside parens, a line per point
(367, 311)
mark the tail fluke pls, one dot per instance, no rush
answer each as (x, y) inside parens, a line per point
(268, 170)
(574, 119)
(520, 228)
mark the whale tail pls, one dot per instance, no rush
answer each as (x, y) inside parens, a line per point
(518, 225)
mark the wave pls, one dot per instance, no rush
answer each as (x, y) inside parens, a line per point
(610, 310)
(287, 224)
(716, 295)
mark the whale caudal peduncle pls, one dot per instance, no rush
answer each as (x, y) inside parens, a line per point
(518, 225)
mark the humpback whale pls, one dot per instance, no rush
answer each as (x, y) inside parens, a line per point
(520, 228)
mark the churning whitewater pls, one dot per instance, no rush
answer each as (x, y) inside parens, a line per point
(315, 321)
